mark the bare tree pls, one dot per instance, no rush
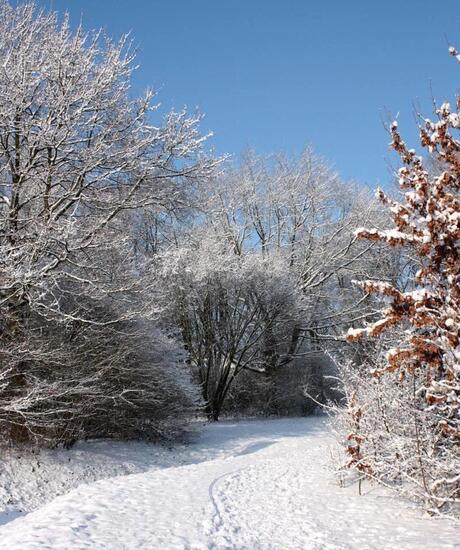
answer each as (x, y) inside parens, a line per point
(235, 313)
(77, 157)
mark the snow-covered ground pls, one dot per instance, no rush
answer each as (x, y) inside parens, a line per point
(248, 485)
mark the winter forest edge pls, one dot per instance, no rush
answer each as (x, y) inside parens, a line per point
(146, 282)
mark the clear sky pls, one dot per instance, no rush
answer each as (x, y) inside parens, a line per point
(279, 74)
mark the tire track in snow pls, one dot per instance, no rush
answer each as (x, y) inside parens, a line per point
(218, 531)
(237, 495)
(229, 528)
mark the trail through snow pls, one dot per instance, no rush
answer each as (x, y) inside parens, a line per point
(267, 485)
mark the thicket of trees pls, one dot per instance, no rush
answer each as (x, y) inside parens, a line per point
(140, 276)
(144, 281)
(259, 283)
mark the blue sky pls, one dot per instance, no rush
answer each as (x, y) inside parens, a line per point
(280, 74)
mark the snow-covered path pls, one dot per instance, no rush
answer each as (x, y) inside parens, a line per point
(267, 486)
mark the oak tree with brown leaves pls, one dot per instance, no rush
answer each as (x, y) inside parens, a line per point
(427, 317)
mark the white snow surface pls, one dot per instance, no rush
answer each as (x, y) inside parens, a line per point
(255, 485)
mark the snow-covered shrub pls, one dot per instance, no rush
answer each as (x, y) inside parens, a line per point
(121, 382)
(387, 434)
